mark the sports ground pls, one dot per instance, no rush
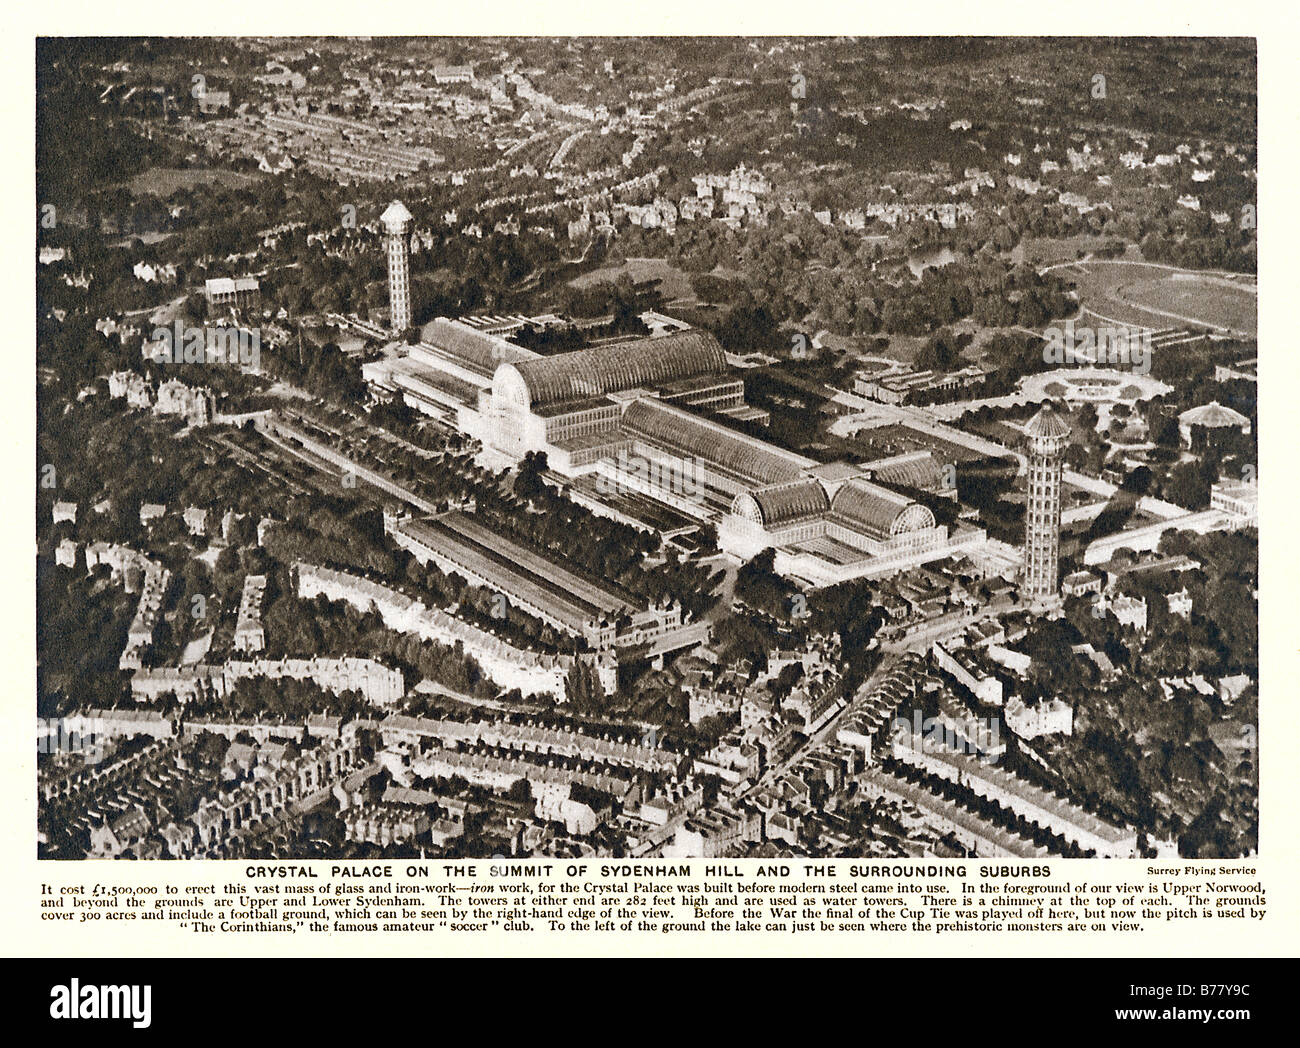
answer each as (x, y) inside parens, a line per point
(1144, 294)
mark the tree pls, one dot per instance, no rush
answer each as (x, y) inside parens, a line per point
(528, 481)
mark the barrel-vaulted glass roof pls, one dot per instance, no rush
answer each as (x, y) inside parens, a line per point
(752, 461)
(786, 503)
(629, 365)
(876, 510)
(478, 350)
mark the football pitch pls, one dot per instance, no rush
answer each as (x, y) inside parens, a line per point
(1157, 297)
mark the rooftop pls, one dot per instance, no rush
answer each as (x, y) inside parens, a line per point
(1214, 415)
(1047, 423)
(396, 217)
(597, 371)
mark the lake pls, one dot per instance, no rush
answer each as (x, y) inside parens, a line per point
(937, 257)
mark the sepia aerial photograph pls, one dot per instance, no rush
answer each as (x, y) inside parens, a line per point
(667, 447)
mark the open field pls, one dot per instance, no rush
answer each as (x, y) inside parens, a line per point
(163, 181)
(1040, 251)
(1146, 295)
(674, 283)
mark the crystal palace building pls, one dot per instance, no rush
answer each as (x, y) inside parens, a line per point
(652, 416)
(655, 416)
